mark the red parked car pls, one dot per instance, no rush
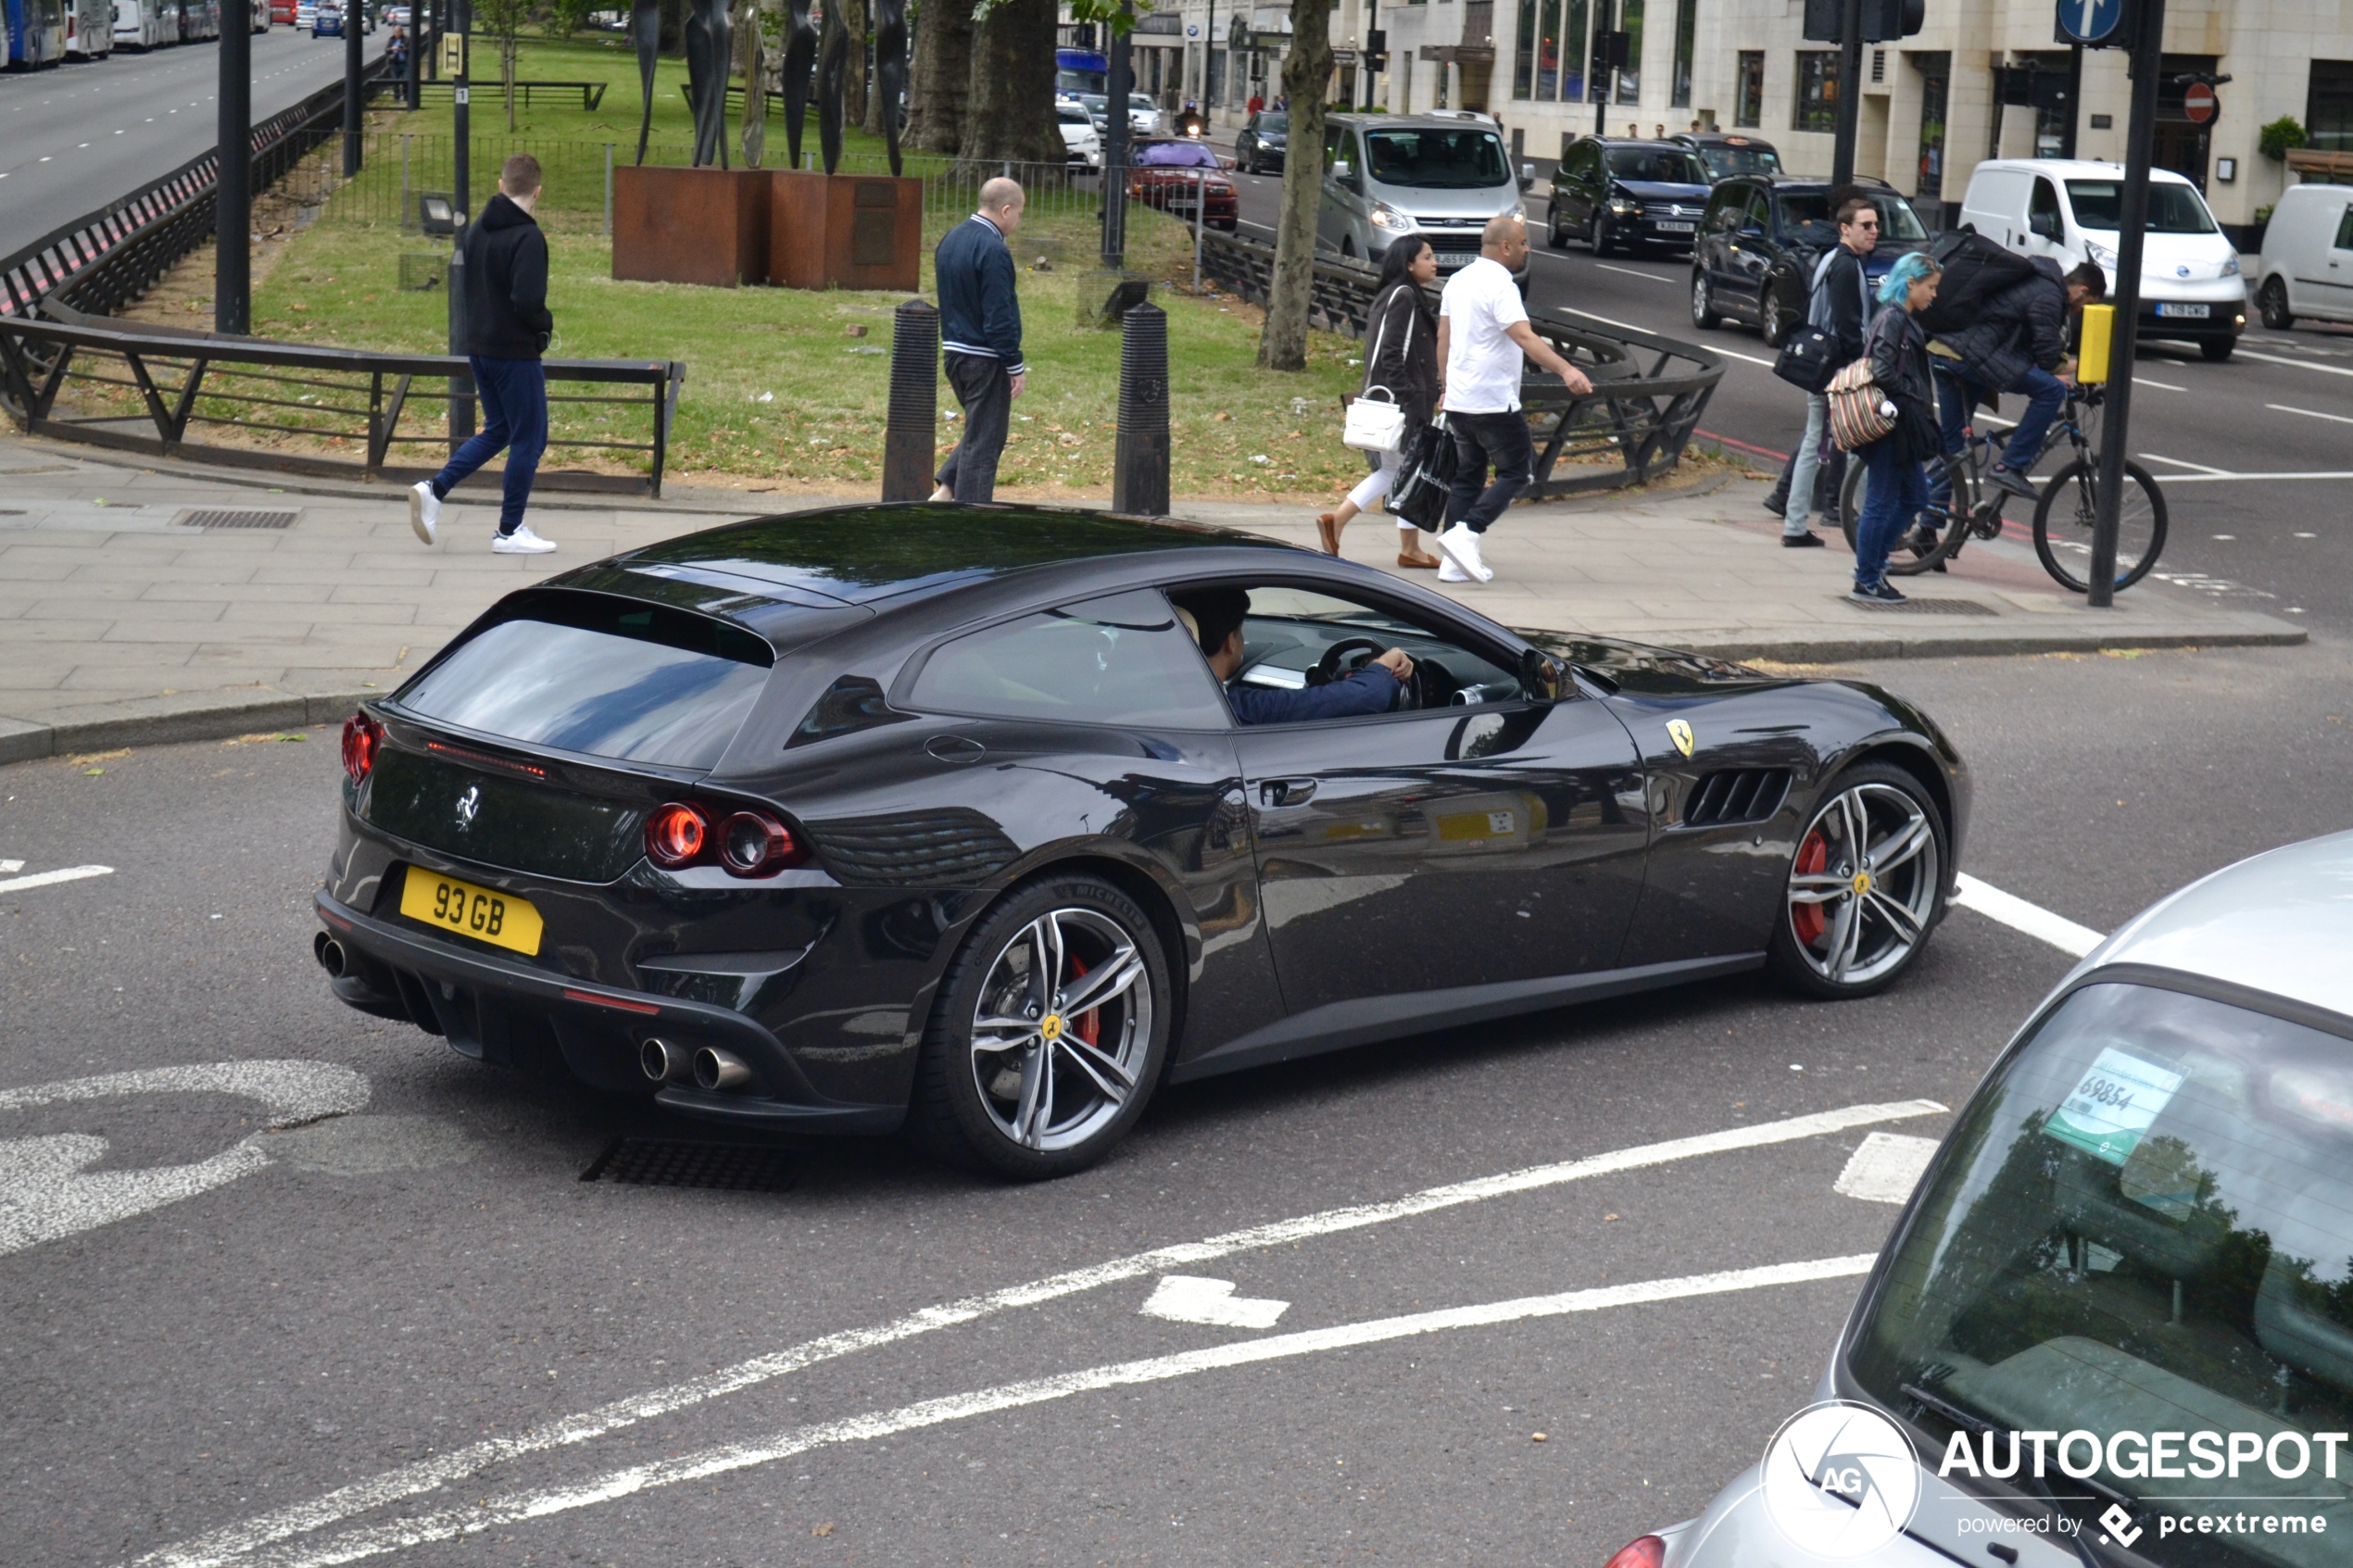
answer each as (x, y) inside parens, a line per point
(1165, 171)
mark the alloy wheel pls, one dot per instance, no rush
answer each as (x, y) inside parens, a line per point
(1703, 301)
(1062, 1028)
(1769, 319)
(1863, 889)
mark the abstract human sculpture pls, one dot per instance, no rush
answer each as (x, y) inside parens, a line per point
(801, 57)
(890, 67)
(710, 46)
(645, 32)
(833, 64)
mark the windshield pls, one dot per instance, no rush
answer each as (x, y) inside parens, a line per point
(1175, 155)
(1725, 162)
(1659, 165)
(2142, 1237)
(1271, 121)
(1808, 216)
(2173, 209)
(1437, 160)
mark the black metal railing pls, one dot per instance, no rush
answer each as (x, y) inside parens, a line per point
(336, 412)
(1649, 392)
(105, 259)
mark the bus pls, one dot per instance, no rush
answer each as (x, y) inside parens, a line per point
(36, 32)
(1080, 71)
(89, 28)
(140, 24)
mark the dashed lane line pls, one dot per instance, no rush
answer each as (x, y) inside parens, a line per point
(2309, 413)
(48, 878)
(2020, 915)
(239, 1541)
(518, 1507)
(2300, 364)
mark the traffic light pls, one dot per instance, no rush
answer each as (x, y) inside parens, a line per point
(1825, 21)
(1886, 20)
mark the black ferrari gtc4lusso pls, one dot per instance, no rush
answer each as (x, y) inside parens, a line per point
(940, 816)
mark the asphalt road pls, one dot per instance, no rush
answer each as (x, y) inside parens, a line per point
(415, 1321)
(2256, 454)
(75, 137)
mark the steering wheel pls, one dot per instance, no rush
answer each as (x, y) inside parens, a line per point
(1328, 668)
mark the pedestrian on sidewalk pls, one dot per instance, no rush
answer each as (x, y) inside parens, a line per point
(2018, 343)
(980, 338)
(1483, 337)
(1401, 359)
(508, 328)
(1257, 103)
(1895, 486)
(1840, 305)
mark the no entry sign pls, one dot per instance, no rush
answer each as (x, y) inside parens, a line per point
(2200, 104)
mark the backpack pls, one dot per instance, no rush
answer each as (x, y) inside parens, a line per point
(1975, 270)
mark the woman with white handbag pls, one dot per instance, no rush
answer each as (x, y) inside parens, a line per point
(1401, 390)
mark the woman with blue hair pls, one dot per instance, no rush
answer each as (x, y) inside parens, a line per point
(1895, 486)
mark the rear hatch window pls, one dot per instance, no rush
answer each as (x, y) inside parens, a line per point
(601, 677)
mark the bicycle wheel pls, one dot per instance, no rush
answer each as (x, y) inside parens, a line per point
(2063, 525)
(1945, 521)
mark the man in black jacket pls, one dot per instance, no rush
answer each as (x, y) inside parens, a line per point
(2018, 343)
(1838, 304)
(508, 328)
(980, 335)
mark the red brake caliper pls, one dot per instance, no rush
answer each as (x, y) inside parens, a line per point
(1807, 920)
(1088, 1025)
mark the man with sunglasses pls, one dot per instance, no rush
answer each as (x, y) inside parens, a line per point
(1840, 306)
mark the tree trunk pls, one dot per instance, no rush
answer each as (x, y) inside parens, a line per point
(853, 80)
(1307, 71)
(942, 82)
(1010, 114)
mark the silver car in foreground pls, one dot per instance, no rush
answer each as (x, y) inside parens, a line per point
(2128, 1267)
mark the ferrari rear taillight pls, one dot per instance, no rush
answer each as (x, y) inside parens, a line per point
(362, 736)
(753, 843)
(676, 835)
(1644, 1551)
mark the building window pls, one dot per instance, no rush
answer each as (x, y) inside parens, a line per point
(1936, 75)
(1548, 52)
(1572, 56)
(1817, 108)
(1679, 87)
(2328, 107)
(1630, 80)
(1748, 90)
(1524, 52)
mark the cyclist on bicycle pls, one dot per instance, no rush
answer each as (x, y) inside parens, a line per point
(2018, 343)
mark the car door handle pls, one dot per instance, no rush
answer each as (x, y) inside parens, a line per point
(1286, 792)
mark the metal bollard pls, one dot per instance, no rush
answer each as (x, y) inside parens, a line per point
(911, 435)
(1139, 464)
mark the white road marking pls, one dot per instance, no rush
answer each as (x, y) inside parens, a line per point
(2308, 413)
(1885, 1168)
(44, 1195)
(234, 1541)
(2182, 463)
(2160, 385)
(2300, 364)
(2020, 915)
(1190, 1298)
(1630, 272)
(1629, 326)
(2247, 478)
(7, 866)
(47, 879)
(521, 1506)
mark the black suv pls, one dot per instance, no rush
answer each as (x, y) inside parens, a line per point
(1761, 237)
(1724, 155)
(1611, 191)
(1260, 146)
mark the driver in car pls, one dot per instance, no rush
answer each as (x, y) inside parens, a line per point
(1215, 617)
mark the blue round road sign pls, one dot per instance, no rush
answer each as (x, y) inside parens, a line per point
(2090, 21)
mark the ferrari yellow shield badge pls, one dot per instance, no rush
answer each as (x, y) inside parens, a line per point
(1680, 733)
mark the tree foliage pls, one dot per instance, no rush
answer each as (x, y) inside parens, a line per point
(2282, 135)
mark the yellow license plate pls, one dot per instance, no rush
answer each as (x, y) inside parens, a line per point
(498, 918)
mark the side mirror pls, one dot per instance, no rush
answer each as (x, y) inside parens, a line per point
(2045, 224)
(1543, 678)
(1344, 174)
(1526, 175)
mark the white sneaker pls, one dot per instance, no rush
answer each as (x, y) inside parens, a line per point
(522, 542)
(1448, 573)
(424, 510)
(1460, 546)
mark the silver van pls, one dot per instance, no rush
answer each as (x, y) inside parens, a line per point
(2307, 265)
(1439, 177)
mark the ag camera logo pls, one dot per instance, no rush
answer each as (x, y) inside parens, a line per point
(1841, 1480)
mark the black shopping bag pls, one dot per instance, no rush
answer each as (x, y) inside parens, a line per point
(1419, 494)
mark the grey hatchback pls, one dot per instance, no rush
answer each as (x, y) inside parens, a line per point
(2114, 1324)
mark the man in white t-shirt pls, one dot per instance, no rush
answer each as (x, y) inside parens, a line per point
(1484, 336)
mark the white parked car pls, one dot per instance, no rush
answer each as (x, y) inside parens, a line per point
(2307, 265)
(2067, 209)
(306, 12)
(1144, 118)
(2117, 1312)
(1081, 142)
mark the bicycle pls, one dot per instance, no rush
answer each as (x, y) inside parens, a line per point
(2064, 512)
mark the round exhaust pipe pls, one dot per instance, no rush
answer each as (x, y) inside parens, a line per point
(665, 1062)
(715, 1068)
(330, 954)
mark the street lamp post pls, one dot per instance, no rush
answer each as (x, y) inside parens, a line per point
(462, 386)
(2132, 226)
(1850, 92)
(233, 189)
(354, 15)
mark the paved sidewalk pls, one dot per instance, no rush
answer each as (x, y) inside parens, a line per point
(121, 622)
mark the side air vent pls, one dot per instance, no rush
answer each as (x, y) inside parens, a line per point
(1745, 794)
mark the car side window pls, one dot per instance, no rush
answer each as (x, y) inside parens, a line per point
(1758, 217)
(1723, 209)
(1297, 637)
(2043, 203)
(2345, 229)
(1121, 659)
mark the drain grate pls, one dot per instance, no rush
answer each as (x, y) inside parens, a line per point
(1932, 606)
(672, 1162)
(237, 520)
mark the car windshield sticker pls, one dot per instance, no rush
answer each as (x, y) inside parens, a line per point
(2113, 1105)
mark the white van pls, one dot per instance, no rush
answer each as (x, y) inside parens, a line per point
(2067, 209)
(2307, 265)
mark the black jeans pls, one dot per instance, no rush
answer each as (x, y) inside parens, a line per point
(1480, 439)
(987, 393)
